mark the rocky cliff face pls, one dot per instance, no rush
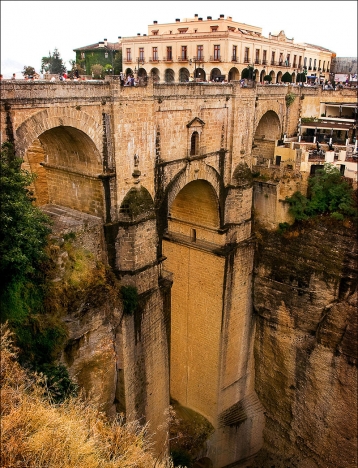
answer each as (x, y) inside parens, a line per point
(305, 301)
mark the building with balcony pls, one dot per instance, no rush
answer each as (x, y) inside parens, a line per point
(219, 49)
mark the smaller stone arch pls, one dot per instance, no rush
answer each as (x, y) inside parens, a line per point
(262, 76)
(137, 203)
(129, 71)
(169, 75)
(154, 73)
(184, 75)
(234, 74)
(215, 74)
(279, 77)
(256, 75)
(293, 77)
(273, 76)
(142, 73)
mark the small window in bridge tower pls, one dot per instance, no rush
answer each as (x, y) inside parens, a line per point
(194, 147)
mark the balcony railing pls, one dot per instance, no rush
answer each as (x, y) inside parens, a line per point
(199, 58)
(153, 59)
(127, 60)
(247, 60)
(257, 61)
(167, 59)
(273, 62)
(215, 58)
(183, 59)
(234, 58)
(140, 59)
(264, 62)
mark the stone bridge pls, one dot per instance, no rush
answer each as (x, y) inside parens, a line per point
(166, 171)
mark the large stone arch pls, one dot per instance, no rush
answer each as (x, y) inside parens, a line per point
(65, 152)
(194, 171)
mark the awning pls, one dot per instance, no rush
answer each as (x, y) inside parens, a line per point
(329, 125)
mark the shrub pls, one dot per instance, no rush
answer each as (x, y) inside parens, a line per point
(267, 78)
(287, 77)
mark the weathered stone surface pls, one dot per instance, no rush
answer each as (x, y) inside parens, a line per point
(305, 299)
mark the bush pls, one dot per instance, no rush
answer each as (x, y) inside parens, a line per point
(286, 78)
(267, 78)
(97, 71)
(328, 193)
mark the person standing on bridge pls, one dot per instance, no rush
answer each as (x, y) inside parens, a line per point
(13, 76)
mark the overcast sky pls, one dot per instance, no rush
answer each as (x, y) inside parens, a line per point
(30, 29)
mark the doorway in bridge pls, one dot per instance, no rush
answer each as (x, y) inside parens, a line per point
(191, 255)
(67, 165)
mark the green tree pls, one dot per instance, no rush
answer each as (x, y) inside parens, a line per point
(97, 71)
(301, 78)
(28, 70)
(23, 228)
(53, 63)
(328, 193)
(248, 73)
(286, 78)
(267, 78)
(117, 63)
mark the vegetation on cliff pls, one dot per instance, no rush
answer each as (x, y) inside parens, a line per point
(328, 193)
(37, 432)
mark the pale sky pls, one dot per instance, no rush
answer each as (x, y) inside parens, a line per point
(30, 29)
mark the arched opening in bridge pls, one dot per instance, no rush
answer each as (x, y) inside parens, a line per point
(169, 75)
(268, 131)
(67, 164)
(184, 75)
(194, 144)
(190, 247)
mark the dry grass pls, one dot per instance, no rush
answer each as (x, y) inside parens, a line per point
(36, 433)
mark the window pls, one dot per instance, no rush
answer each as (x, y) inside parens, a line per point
(264, 57)
(214, 28)
(327, 66)
(194, 144)
(129, 55)
(169, 53)
(200, 54)
(246, 56)
(182, 30)
(106, 55)
(300, 62)
(319, 64)
(82, 55)
(310, 65)
(273, 58)
(234, 52)
(216, 52)
(155, 32)
(184, 51)
(257, 56)
(141, 54)
(314, 64)
(288, 60)
(155, 53)
(280, 61)
(295, 61)
(324, 64)
(305, 63)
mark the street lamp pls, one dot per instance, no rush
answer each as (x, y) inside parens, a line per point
(200, 63)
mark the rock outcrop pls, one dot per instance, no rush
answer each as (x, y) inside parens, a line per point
(305, 301)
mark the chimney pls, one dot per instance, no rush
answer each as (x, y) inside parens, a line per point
(196, 15)
(222, 16)
(138, 34)
(105, 42)
(177, 20)
(144, 34)
(209, 17)
(101, 44)
(200, 19)
(155, 22)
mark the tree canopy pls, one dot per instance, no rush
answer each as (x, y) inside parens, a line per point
(286, 78)
(53, 63)
(28, 71)
(328, 193)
